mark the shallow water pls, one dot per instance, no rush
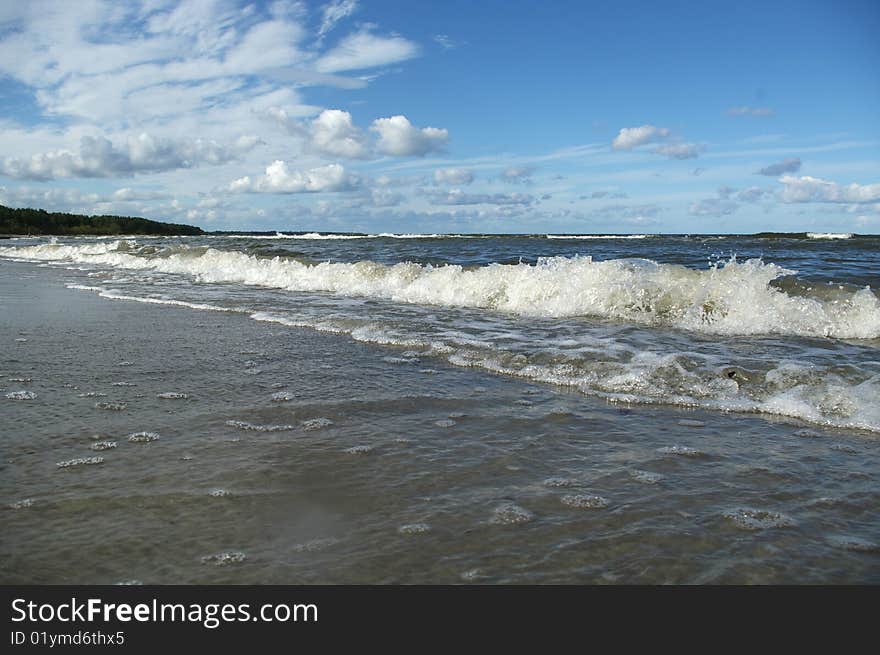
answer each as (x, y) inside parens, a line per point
(411, 442)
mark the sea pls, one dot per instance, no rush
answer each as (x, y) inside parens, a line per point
(501, 409)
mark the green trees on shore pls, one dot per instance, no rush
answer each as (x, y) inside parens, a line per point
(41, 222)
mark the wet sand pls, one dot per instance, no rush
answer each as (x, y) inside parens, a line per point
(250, 452)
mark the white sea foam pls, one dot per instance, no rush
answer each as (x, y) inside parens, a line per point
(758, 519)
(244, 425)
(511, 514)
(829, 235)
(584, 501)
(80, 461)
(172, 395)
(143, 437)
(21, 395)
(597, 236)
(732, 299)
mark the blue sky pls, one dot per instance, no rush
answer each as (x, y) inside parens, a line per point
(496, 116)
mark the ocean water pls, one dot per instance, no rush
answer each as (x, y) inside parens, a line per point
(512, 408)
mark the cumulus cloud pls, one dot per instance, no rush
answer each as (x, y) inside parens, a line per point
(333, 134)
(517, 174)
(813, 189)
(759, 112)
(754, 194)
(456, 176)
(679, 150)
(790, 165)
(630, 137)
(366, 50)
(99, 157)
(459, 197)
(397, 136)
(279, 179)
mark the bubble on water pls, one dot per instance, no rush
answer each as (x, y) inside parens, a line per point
(511, 514)
(691, 423)
(92, 394)
(316, 423)
(282, 396)
(414, 528)
(315, 545)
(444, 423)
(21, 504)
(681, 451)
(855, 544)
(172, 395)
(584, 501)
(244, 425)
(111, 407)
(250, 364)
(358, 450)
(143, 437)
(758, 519)
(20, 380)
(556, 482)
(103, 445)
(219, 493)
(645, 477)
(186, 458)
(21, 395)
(123, 384)
(79, 461)
(225, 558)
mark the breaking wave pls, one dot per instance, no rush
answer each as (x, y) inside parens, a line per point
(734, 298)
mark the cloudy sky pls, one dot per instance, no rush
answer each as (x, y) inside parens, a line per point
(453, 116)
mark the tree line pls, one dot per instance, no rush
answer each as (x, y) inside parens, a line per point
(40, 222)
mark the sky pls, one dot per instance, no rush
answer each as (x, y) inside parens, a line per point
(497, 116)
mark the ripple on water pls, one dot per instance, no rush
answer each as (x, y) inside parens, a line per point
(414, 528)
(172, 395)
(225, 558)
(244, 425)
(560, 482)
(758, 519)
(92, 394)
(691, 423)
(143, 437)
(79, 461)
(103, 445)
(281, 396)
(511, 514)
(123, 384)
(645, 477)
(316, 423)
(315, 545)
(111, 407)
(855, 544)
(444, 423)
(584, 501)
(21, 395)
(681, 451)
(358, 450)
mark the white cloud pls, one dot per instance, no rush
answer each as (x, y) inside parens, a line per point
(397, 136)
(279, 179)
(754, 194)
(790, 165)
(679, 150)
(812, 189)
(517, 174)
(333, 134)
(457, 176)
(459, 197)
(713, 207)
(99, 157)
(630, 137)
(366, 50)
(760, 112)
(445, 41)
(333, 12)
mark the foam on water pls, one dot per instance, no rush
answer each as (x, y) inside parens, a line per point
(584, 501)
(112, 407)
(80, 461)
(758, 519)
(244, 425)
(143, 437)
(511, 514)
(172, 395)
(681, 451)
(732, 299)
(316, 423)
(21, 395)
(414, 528)
(225, 558)
(829, 235)
(103, 445)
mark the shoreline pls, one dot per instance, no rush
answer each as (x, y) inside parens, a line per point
(378, 471)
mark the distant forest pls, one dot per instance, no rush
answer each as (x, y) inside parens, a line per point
(41, 222)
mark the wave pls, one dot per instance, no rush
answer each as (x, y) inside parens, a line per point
(829, 235)
(597, 236)
(733, 298)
